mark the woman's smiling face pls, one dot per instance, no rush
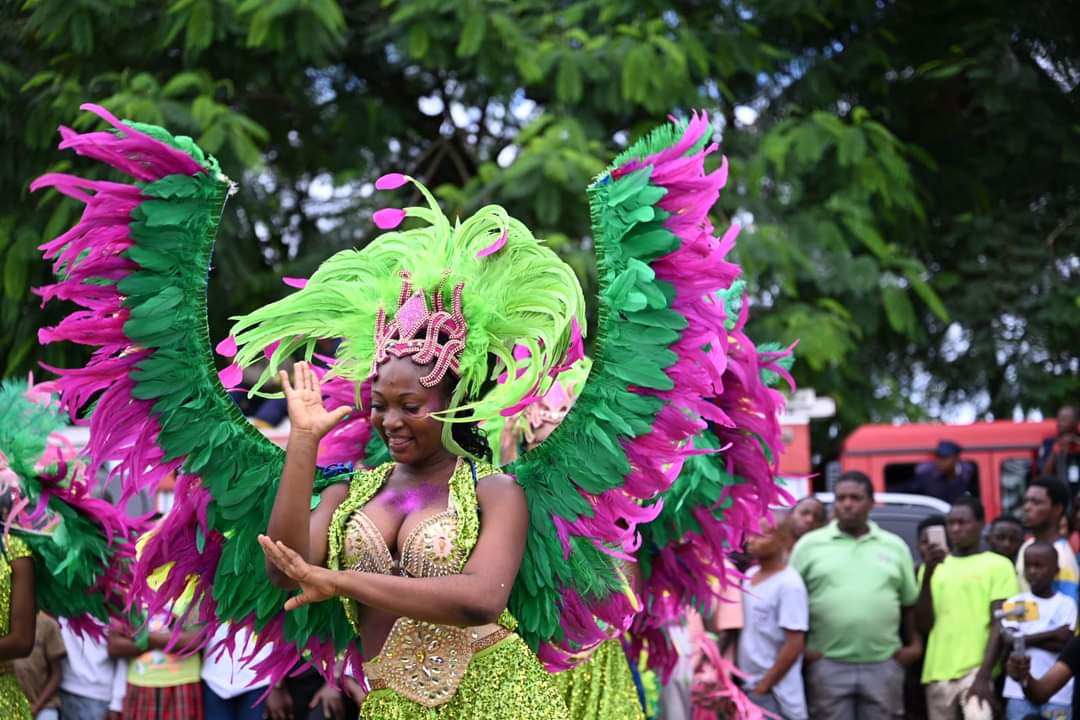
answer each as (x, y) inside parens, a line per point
(401, 411)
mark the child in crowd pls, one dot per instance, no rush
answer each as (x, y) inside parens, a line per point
(1006, 536)
(160, 685)
(92, 682)
(776, 618)
(1047, 623)
(39, 673)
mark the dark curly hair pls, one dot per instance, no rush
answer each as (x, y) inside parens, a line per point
(471, 439)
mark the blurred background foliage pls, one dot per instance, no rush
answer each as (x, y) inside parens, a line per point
(907, 174)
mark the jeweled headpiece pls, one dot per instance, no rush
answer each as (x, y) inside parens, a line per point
(416, 331)
(524, 306)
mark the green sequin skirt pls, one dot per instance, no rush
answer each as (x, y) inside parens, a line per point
(503, 682)
(602, 688)
(13, 703)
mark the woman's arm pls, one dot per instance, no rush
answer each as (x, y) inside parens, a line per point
(291, 520)
(19, 642)
(475, 597)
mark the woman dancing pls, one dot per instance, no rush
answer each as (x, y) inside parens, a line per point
(441, 575)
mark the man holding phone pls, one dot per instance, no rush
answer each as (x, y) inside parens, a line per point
(960, 590)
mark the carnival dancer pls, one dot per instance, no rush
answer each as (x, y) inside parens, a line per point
(431, 317)
(61, 549)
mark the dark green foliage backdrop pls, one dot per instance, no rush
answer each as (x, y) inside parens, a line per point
(908, 172)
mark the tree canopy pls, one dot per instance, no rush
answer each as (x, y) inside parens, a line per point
(907, 174)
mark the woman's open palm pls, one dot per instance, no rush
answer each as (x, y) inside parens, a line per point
(304, 396)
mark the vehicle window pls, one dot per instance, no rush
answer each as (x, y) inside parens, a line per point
(1014, 475)
(898, 476)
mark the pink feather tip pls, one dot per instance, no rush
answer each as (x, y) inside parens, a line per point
(292, 282)
(391, 181)
(388, 218)
(493, 247)
(227, 347)
(231, 376)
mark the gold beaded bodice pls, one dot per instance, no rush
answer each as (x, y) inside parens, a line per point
(439, 545)
(421, 661)
(428, 551)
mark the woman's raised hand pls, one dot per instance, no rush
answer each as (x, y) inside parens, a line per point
(306, 410)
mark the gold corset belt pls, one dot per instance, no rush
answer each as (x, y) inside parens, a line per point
(425, 662)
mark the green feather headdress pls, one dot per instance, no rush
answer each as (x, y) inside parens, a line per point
(521, 303)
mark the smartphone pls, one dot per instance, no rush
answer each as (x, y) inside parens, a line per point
(935, 535)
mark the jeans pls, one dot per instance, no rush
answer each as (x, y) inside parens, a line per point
(77, 707)
(1020, 709)
(241, 707)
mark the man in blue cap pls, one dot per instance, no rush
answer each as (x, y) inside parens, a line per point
(945, 477)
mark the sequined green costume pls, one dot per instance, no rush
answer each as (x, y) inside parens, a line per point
(428, 671)
(601, 688)
(13, 703)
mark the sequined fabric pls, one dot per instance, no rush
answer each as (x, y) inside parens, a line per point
(440, 545)
(505, 681)
(13, 704)
(602, 688)
(432, 671)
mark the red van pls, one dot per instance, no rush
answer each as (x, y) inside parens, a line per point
(1002, 454)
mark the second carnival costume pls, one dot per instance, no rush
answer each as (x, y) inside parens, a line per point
(673, 380)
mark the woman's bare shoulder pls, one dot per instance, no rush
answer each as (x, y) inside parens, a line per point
(499, 487)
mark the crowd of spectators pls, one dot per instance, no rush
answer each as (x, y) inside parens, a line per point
(69, 676)
(841, 624)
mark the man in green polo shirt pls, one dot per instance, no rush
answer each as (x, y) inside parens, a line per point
(861, 584)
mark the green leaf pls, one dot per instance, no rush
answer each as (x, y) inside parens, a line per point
(898, 309)
(851, 147)
(637, 69)
(16, 275)
(472, 35)
(42, 78)
(869, 236)
(200, 26)
(184, 82)
(930, 297)
(419, 42)
(547, 204)
(568, 85)
(17, 356)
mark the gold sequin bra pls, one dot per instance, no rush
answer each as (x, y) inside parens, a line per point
(421, 661)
